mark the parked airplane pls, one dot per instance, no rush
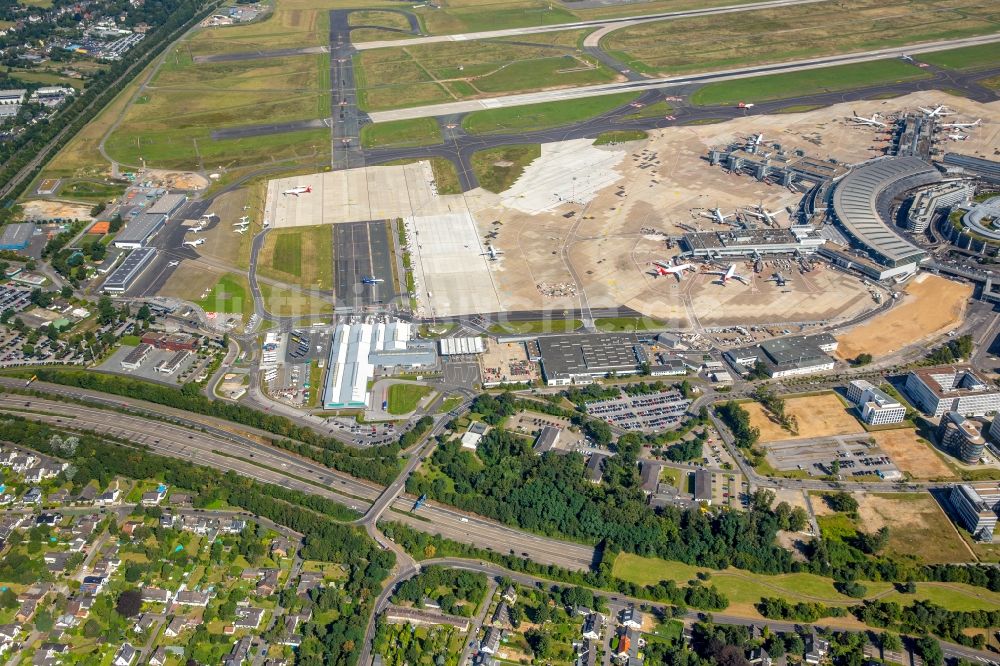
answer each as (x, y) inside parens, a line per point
(729, 274)
(873, 121)
(296, 191)
(491, 252)
(778, 279)
(196, 229)
(958, 137)
(240, 230)
(369, 279)
(208, 216)
(716, 215)
(195, 243)
(662, 268)
(762, 213)
(936, 112)
(244, 221)
(172, 264)
(977, 123)
(754, 142)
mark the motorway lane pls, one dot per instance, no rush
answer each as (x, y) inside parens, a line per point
(452, 108)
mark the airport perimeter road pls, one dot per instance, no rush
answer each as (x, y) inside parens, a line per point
(620, 22)
(453, 108)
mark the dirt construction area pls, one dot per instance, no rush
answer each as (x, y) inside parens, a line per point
(912, 454)
(931, 305)
(818, 416)
(55, 210)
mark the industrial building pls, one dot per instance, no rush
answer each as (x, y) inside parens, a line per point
(167, 205)
(786, 357)
(135, 358)
(875, 406)
(862, 203)
(128, 270)
(961, 437)
(748, 242)
(358, 349)
(16, 236)
(547, 439)
(930, 200)
(580, 359)
(171, 365)
(951, 388)
(703, 486)
(988, 170)
(139, 230)
(976, 506)
(460, 346)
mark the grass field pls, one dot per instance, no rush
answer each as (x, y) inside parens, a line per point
(445, 173)
(498, 168)
(401, 133)
(654, 110)
(618, 324)
(391, 78)
(744, 588)
(292, 302)
(542, 116)
(301, 255)
(230, 295)
(615, 137)
(540, 326)
(970, 57)
(794, 84)
(291, 24)
(90, 190)
(913, 454)
(790, 33)
(381, 19)
(403, 398)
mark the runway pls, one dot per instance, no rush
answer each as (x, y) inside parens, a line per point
(259, 55)
(361, 249)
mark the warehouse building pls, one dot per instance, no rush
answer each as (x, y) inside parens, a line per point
(862, 202)
(16, 236)
(167, 205)
(976, 506)
(748, 242)
(961, 437)
(787, 357)
(930, 200)
(136, 357)
(171, 365)
(139, 230)
(951, 388)
(703, 486)
(875, 406)
(459, 346)
(128, 270)
(581, 359)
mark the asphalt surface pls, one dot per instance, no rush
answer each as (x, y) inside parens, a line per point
(245, 131)
(259, 55)
(362, 250)
(345, 140)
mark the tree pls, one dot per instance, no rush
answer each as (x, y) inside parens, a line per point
(890, 642)
(540, 642)
(43, 621)
(66, 291)
(841, 501)
(106, 312)
(862, 359)
(144, 313)
(129, 603)
(930, 650)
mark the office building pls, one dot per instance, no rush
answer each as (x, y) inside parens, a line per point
(976, 506)
(961, 437)
(930, 200)
(951, 388)
(167, 205)
(875, 406)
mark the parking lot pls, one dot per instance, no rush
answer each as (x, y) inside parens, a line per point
(858, 456)
(148, 368)
(653, 411)
(305, 345)
(461, 370)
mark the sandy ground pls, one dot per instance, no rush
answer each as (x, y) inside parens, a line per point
(913, 456)
(41, 209)
(176, 180)
(931, 305)
(818, 416)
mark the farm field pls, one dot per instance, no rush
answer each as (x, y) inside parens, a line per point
(932, 306)
(403, 398)
(789, 33)
(542, 116)
(391, 78)
(302, 256)
(818, 416)
(813, 81)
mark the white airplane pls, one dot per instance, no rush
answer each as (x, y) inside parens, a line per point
(172, 264)
(755, 141)
(663, 268)
(208, 216)
(977, 123)
(873, 121)
(240, 230)
(491, 252)
(195, 243)
(716, 215)
(936, 112)
(196, 229)
(296, 191)
(244, 221)
(762, 213)
(729, 274)
(958, 137)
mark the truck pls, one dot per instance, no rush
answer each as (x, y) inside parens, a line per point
(28, 383)
(420, 502)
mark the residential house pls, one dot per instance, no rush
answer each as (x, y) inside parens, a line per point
(108, 497)
(154, 497)
(501, 616)
(33, 496)
(280, 547)
(93, 584)
(155, 595)
(125, 655)
(592, 626)
(759, 657)
(159, 657)
(80, 607)
(192, 598)
(491, 641)
(145, 622)
(816, 648)
(27, 610)
(239, 654)
(268, 583)
(631, 618)
(510, 594)
(248, 617)
(177, 626)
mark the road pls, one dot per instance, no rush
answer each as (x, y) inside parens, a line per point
(563, 94)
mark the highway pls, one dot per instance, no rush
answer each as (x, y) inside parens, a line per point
(616, 23)
(454, 108)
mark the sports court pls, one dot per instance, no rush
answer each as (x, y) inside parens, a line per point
(360, 250)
